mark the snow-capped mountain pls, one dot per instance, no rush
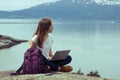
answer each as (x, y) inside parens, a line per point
(107, 2)
(100, 2)
(71, 9)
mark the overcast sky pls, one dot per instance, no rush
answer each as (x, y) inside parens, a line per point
(10, 5)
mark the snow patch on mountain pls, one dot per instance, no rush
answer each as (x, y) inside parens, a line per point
(100, 2)
(107, 2)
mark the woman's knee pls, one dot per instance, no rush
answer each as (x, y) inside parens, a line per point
(69, 58)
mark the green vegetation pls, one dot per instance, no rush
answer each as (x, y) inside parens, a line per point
(91, 73)
(94, 73)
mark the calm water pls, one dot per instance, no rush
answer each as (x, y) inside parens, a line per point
(95, 45)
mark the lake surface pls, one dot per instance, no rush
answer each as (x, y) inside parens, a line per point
(95, 45)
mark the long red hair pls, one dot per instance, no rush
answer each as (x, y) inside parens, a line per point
(42, 30)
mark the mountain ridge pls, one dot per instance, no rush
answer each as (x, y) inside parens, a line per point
(68, 9)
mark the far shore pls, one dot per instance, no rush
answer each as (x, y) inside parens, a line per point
(7, 41)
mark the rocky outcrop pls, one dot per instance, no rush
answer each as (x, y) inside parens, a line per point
(7, 41)
(5, 75)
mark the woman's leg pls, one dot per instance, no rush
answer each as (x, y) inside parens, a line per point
(63, 62)
(53, 66)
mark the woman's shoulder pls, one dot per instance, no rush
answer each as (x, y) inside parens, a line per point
(50, 38)
(34, 38)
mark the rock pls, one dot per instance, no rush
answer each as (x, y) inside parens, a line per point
(48, 76)
(7, 42)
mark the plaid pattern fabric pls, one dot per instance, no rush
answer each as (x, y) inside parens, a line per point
(33, 62)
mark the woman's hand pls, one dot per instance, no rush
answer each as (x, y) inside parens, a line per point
(49, 58)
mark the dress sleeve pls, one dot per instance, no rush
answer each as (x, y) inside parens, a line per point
(51, 39)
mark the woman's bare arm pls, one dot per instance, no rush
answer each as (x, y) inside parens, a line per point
(50, 53)
(32, 44)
